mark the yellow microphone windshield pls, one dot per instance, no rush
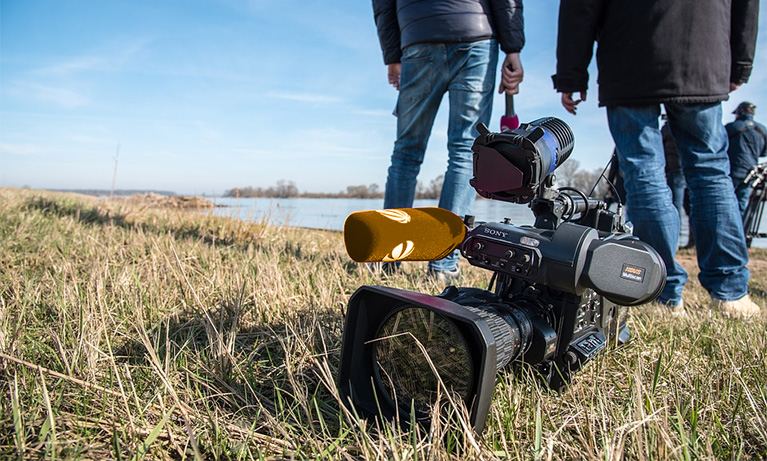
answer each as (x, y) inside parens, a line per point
(402, 234)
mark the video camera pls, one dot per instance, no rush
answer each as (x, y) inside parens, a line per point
(555, 301)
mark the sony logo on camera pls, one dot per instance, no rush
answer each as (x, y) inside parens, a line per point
(496, 232)
(633, 273)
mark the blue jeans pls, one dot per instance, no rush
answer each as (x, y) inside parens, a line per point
(715, 220)
(466, 71)
(677, 184)
(742, 193)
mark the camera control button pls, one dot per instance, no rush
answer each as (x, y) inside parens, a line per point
(510, 254)
(478, 246)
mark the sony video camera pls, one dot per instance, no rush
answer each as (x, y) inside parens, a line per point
(555, 301)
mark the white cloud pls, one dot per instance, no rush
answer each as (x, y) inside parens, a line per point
(72, 66)
(112, 57)
(19, 149)
(87, 139)
(375, 113)
(302, 97)
(56, 95)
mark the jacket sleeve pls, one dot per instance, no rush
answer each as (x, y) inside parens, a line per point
(763, 132)
(385, 14)
(744, 26)
(579, 22)
(508, 24)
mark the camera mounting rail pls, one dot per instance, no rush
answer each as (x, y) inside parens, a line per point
(552, 207)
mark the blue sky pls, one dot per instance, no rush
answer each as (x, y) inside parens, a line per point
(202, 96)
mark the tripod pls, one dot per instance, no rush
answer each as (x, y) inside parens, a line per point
(752, 217)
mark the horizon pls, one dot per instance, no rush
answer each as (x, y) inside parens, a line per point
(200, 97)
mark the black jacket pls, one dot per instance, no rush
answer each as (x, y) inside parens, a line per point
(401, 23)
(685, 51)
(748, 142)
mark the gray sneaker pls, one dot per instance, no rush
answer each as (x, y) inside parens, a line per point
(383, 268)
(740, 308)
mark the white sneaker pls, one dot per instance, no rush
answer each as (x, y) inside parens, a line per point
(740, 308)
(677, 309)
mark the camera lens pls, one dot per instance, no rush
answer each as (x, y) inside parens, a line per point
(416, 348)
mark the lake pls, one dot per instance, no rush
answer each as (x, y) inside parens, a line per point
(330, 213)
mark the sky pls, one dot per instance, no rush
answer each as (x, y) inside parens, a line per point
(201, 96)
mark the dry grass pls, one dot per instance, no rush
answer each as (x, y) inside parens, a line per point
(129, 333)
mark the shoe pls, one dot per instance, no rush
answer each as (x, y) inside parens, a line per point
(677, 308)
(444, 276)
(740, 308)
(383, 268)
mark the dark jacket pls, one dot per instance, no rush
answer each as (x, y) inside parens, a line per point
(401, 23)
(748, 142)
(685, 51)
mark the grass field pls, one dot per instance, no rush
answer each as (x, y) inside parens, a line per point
(130, 332)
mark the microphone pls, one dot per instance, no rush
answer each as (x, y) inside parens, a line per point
(509, 121)
(402, 234)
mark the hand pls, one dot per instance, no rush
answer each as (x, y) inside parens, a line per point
(512, 74)
(734, 86)
(394, 71)
(569, 104)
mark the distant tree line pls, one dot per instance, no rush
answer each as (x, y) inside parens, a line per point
(288, 189)
(283, 189)
(568, 175)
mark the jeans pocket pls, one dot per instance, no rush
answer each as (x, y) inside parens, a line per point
(476, 63)
(416, 79)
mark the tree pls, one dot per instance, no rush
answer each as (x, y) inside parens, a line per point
(566, 173)
(285, 189)
(433, 191)
(569, 174)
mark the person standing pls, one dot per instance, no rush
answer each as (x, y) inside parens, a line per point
(748, 142)
(433, 47)
(686, 55)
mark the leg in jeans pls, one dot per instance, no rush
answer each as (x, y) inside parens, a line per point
(639, 143)
(742, 193)
(677, 184)
(716, 219)
(472, 79)
(423, 83)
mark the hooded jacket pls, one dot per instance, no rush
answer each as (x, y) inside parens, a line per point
(748, 142)
(402, 23)
(685, 51)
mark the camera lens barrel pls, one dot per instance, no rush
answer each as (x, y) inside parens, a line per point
(511, 329)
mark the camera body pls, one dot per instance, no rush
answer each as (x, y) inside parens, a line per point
(557, 296)
(566, 289)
